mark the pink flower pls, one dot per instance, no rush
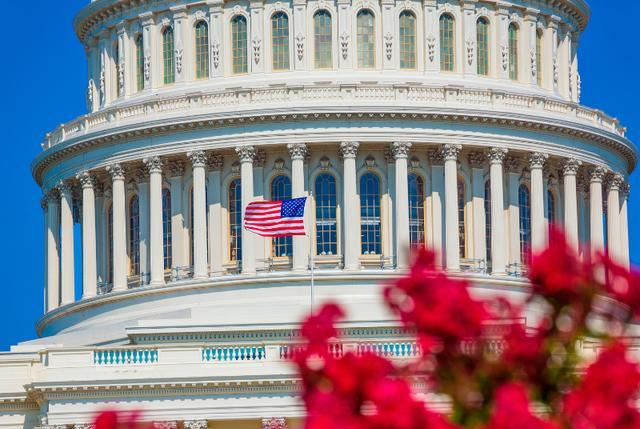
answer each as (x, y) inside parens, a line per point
(511, 409)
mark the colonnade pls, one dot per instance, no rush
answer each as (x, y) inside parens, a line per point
(208, 258)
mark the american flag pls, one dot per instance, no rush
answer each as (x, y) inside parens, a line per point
(276, 218)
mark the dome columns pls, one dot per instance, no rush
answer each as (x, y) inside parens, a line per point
(298, 154)
(538, 225)
(450, 154)
(199, 161)
(89, 250)
(400, 151)
(570, 169)
(498, 239)
(247, 155)
(349, 151)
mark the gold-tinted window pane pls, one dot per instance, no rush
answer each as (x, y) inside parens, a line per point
(539, 45)
(482, 30)
(239, 44)
(139, 63)
(280, 41)
(326, 219)
(202, 50)
(513, 52)
(370, 222)
(407, 32)
(447, 43)
(366, 43)
(462, 236)
(166, 228)
(487, 218)
(416, 211)
(168, 59)
(322, 40)
(524, 202)
(134, 236)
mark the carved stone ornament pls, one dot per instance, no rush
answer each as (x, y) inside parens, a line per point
(497, 155)
(300, 46)
(116, 171)
(370, 162)
(278, 164)
(215, 53)
(325, 163)
(400, 149)
(142, 175)
(537, 160)
(556, 76)
(121, 77)
(178, 55)
(176, 168)
(450, 152)
(90, 96)
(198, 158)
(571, 166)
(298, 151)
(165, 425)
(471, 50)
(431, 47)
(579, 85)
(85, 426)
(349, 149)
(435, 156)
(414, 163)
(344, 45)
(615, 181)
(153, 164)
(246, 153)
(195, 424)
(597, 174)
(102, 86)
(52, 196)
(147, 67)
(388, 45)
(504, 51)
(235, 167)
(534, 63)
(513, 164)
(274, 423)
(626, 190)
(477, 159)
(260, 158)
(256, 49)
(215, 161)
(200, 16)
(86, 179)
(65, 188)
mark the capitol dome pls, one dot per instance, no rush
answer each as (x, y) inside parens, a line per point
(455, 125)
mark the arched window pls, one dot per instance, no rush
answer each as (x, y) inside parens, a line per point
(366, 41)
(166, 228)
(281, 190)
(239, 44)
(524, 203)
(551, 208)
(513, 51)
(407, 41)
(134, 236)
(139, 62)
(110, 244)
(461, 217)
(539, 53)
(168, 59)
(416, 211)
(370, 222)
(235, 221)
(280, 41)
(116, 61)
(447, 43)
(326, 218)
(482, 30)
(322, 40)
(487, 218)
(202, 50)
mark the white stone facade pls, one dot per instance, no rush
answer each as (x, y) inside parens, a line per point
(190, 318)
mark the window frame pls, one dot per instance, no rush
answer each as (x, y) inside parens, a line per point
(168, 62)
(201, 57)
(327, 13)
(414, 36)
(284, 48)
(514, 51)
(421, 220)
(234, 211)
(371, 53)
(524, 224)
(335, 220)
(233, 22)
(379, 244)
(446, 16)
(486, 64)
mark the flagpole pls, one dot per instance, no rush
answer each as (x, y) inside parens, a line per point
(311, 261)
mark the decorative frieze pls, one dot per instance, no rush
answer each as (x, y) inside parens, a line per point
(195, 424)
(274, 423)
(215, 161)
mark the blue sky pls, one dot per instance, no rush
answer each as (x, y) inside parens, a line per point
(44, 77)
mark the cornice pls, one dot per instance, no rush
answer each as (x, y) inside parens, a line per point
(100, 10)
(530, 118)
(255, 282)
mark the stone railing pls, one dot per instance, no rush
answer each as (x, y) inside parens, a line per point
(238, 100)
(125, 356)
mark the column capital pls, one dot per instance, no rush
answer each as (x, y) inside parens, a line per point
(142, 175)
(537, 160)
(570, 166)
(53, 196)
(195, 424)
(435, 156)
(274, 423)
(260, 158)
(597, 174)
(246, 153)
(65, 188)
(198, 158)
(86, 179)
(154, 164)
(615, 181)
(167, 424)
(497, 155)
(298, 151)
(450, 152)
(215, 161)
(44, 202)
(400, 150)
(146, 19)
(513, 164)
(477, 159)
(349, 149)
(176, 168)
(626, 190)
(117, 171)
